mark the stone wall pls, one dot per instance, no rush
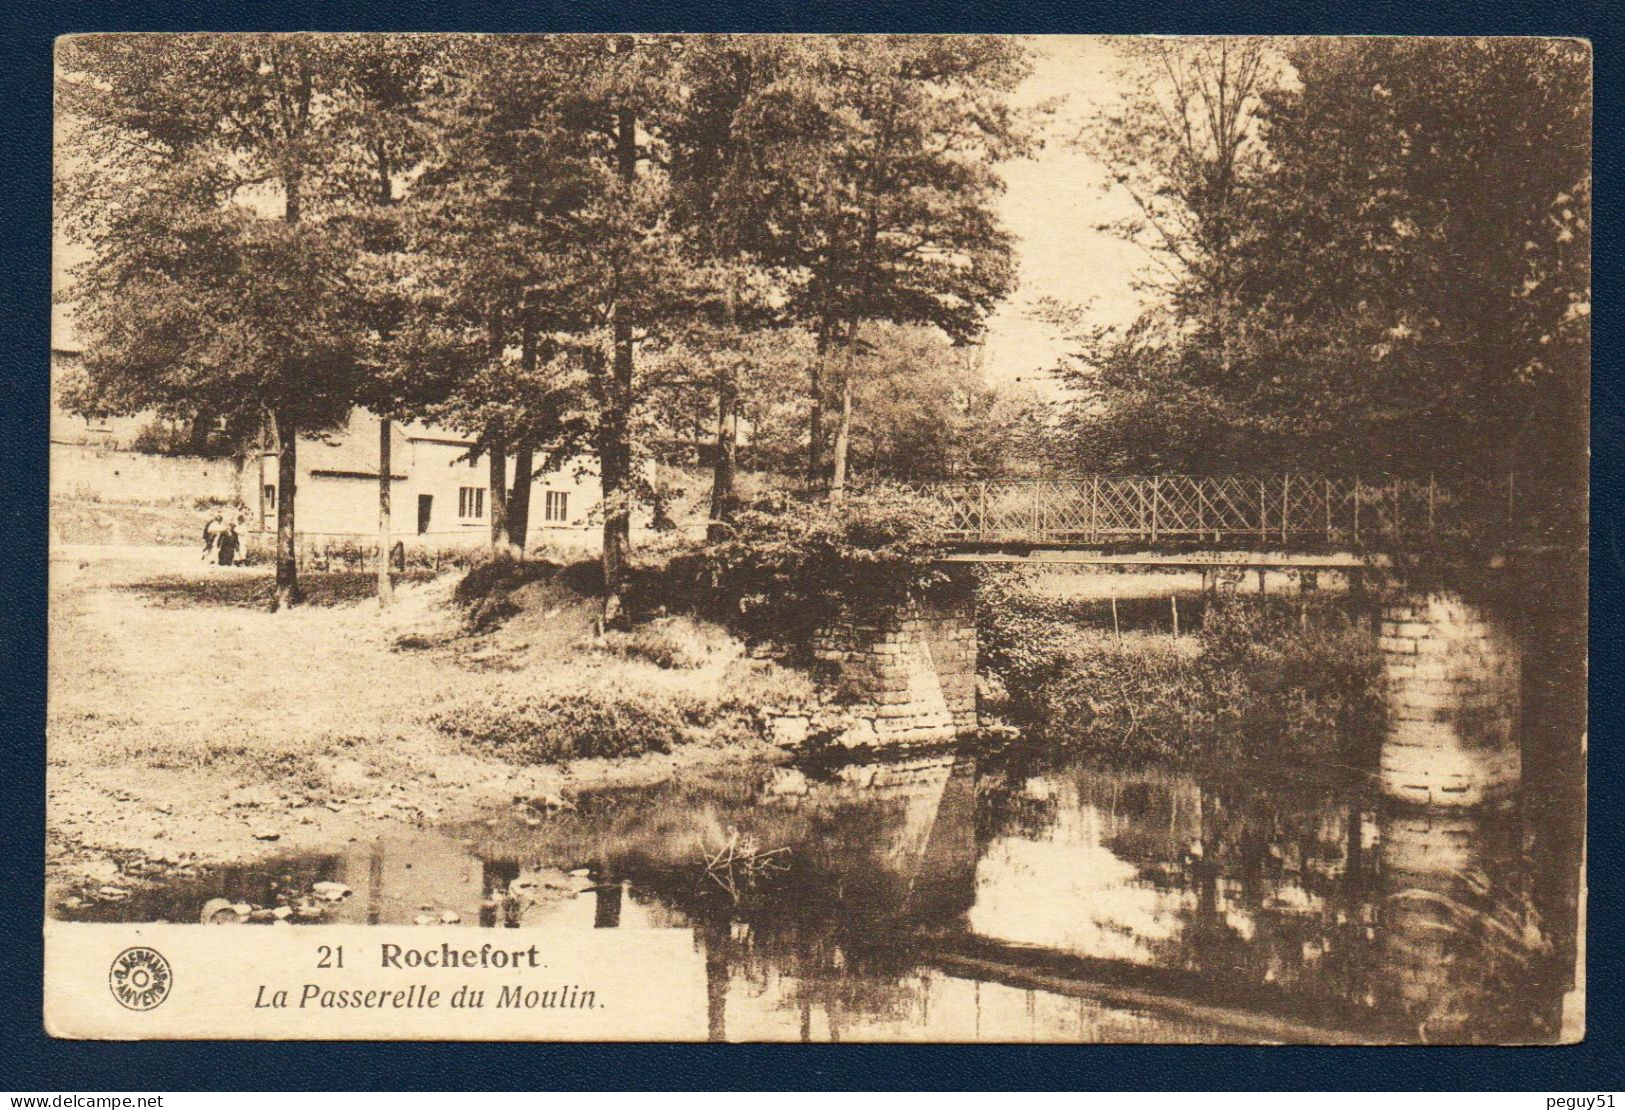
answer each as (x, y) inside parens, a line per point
(910, 674)
(1452, 676)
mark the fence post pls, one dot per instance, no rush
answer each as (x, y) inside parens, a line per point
(1094, 510)
(1033, 516)
(1328, 511)
(981, 511)
(1263, 513)
(1431, 494)
(1286, 489)
(1155, 485)
(1356, 508)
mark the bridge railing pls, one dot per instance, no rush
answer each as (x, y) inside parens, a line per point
(1285, 509)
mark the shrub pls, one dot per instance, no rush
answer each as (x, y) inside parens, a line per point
(551, 726)
(789, 564)
(676, 643)
(1264, 677)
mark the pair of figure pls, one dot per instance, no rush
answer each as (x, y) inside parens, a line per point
(221, 540)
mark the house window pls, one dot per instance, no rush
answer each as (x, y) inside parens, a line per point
(270, 498)
(471, 503)
(557, 507)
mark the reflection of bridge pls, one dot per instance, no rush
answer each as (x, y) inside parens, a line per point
(1295, 511)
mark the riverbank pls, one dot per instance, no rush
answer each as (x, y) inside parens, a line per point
(189, 726)
(1241, 679)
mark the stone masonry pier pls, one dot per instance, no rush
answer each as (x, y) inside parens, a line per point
(910, 675)
(1452, 674)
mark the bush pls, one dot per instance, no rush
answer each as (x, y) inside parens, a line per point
(675, 643)
(552, 726)
(790, 564)
(1264, 677)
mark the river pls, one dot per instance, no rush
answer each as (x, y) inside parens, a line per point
(1005, 897)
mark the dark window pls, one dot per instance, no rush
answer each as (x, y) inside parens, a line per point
(557, 507)
(471, 502)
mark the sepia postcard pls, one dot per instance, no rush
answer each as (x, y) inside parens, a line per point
(811, 538)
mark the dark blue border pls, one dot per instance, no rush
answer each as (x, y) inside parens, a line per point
(29, 1061)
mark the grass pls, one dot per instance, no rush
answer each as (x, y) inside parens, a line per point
(231, 588)
(1253, 678)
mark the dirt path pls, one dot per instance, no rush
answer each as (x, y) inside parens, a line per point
(187, 726)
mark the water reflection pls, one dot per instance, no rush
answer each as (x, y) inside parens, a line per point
(953, 899)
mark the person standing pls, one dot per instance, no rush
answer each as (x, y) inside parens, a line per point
(227, 545)
(211, 535)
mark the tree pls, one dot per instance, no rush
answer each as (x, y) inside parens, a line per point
(1426, 294)
(388, 80)
(199, 172)
(927, 411)
(1184, 145)
(1406, 281)
(897, 218)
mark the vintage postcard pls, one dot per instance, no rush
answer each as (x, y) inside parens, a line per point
(625, 537)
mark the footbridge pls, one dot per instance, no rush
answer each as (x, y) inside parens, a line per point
(1285, 519)
(1451, 666)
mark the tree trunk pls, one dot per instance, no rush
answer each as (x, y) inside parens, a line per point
(725, 464)
(524, 466)
(386, 427)
(843, 430)
(843, 438)
(386, 432)
(287, 549)
(815, 426)
(615, 448)
(498, 497)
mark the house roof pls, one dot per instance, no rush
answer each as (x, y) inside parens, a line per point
(353, 450)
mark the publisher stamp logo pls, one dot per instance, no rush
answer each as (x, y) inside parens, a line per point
(140, 978)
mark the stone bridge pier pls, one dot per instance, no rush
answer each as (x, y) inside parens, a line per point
(1451, 671)
(1452, 674)
(910, 673)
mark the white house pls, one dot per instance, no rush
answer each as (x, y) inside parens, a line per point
(438, 493)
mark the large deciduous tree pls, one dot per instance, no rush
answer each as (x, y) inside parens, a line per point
(898, 216)
(1401, 282)
(200, 173)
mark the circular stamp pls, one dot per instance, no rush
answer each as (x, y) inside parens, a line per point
(140, 978)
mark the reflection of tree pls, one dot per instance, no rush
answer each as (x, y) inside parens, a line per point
(1258, 888)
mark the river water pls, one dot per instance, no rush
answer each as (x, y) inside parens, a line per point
(1004, 897)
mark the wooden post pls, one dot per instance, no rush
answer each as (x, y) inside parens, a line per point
(1033, 514)
(1117, 629)
(1356, 508)
(1173, 603)
(1328, 510)
(1263, 512)
(1155, 484)
(1094, 511)
(1286, 489)
(981, 511)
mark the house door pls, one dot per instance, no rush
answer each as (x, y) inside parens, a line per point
(425, 507)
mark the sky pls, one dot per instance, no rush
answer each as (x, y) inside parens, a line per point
(1053, 204)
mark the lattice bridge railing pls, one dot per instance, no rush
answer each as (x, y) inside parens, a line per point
(1285, 510)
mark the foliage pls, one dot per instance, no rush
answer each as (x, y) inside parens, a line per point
(1392, 276)
(787, 566)
(555, 726)
(669, 642)
(1264, 678)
